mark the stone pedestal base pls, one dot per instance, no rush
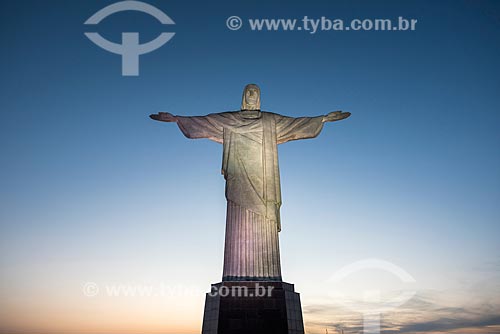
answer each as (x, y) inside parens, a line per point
(243, 307)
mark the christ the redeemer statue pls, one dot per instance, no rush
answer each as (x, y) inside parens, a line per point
(250, 166)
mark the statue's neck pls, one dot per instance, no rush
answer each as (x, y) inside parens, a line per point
(250, 114)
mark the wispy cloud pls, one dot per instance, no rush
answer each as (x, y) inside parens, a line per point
(450, 324)
(427, 312)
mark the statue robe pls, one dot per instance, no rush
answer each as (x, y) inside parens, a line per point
(250, 167)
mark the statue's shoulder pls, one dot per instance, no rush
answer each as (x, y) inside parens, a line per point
(237, 115)
(229, 113)
(269, 114)
(223, 114)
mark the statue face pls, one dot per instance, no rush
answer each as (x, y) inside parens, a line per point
(251, 98)
(251, 95)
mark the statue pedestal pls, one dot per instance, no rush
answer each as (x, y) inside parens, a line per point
(252, 307)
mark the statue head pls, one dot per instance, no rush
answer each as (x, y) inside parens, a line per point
(251, 98)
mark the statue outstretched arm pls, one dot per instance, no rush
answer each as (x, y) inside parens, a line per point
(295, 128)
(194, 127)
(336, 116)
(163, 117)
(290, 128)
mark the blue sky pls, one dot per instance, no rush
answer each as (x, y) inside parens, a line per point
(93, 190)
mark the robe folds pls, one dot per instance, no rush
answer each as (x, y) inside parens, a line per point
(250, 168)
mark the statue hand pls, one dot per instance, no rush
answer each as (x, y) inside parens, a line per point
(336, 116)
(163, 117)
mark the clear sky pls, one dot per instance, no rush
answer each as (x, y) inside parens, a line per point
(92, 190)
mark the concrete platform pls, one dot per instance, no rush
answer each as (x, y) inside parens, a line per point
(252, 307)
